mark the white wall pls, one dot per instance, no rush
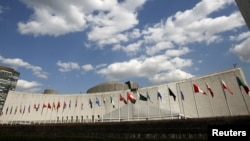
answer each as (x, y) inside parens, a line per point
(195, 104)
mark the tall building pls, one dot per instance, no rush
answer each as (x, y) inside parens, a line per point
(8, 81)
(244, 7)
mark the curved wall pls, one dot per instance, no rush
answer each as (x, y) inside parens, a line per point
(23, 107)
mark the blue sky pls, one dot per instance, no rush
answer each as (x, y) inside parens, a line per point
(73, 45)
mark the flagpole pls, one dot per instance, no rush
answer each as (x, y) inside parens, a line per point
(159, 109)
(227, 101)
(194, 99)
(63, 109)
(102, 107)
(226, 98)
(169, 103)
(119, 108)
(147, 106)
(209, 99)
(178, 96)
(242, 96)
(138, 105)
(244, 101)
(110, 108)
(93, 105)
(51, 114)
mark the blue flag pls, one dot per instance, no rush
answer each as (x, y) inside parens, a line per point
(159, 95)
(98, 102)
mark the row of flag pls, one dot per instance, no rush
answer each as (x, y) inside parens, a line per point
(131, 98)
(241, 83)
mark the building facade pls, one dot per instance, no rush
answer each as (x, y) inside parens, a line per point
(244, 8)
(219, 94)
(8, 81)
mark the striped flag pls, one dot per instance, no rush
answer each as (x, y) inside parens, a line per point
(225, 86)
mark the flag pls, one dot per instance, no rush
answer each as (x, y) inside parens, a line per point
(197, 89)
(11, 109)
(54, 106)
(35, 107)
(148, 97)
(241, 83)
(143, 98)
(44, 105)
(76, 103)
(90, 103)
(23, 109)
(15, 110)
(82, 106)
(159, 95)
(131, 98)
(103, 99)
(29, 109)
(20, 109)
(112, 101)
(225, 86)
(58, 105)
(123, 99)
(98, 102)
(49, 106)
(6, 110)
(182, 96)
(210, 90)
(171, 94)
(38, 107)
(64, 105)
(70, 104)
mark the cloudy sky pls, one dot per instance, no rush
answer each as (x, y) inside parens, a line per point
(72, 45)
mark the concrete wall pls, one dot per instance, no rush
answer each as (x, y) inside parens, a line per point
(194, 105)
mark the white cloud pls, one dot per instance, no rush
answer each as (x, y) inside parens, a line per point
(107, 17)
(113, 24)
(87, 67)
(17, 62)
(67, 66)
(177, 52)
(162, 45)
(147, 68)
(131, 49)
(28, 86)
(189, 26)
(243, 50)
(172, 75)
(240, 37)
(195, 25)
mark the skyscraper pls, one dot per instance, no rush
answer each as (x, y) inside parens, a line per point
(8, 81)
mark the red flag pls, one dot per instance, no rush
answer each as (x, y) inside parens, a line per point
(44, 105)
(64, 105)
(225, 86)
(131, 97)
(197, 89)
(49, 106)
(58, 105)
(123, 99)
(210, 90)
